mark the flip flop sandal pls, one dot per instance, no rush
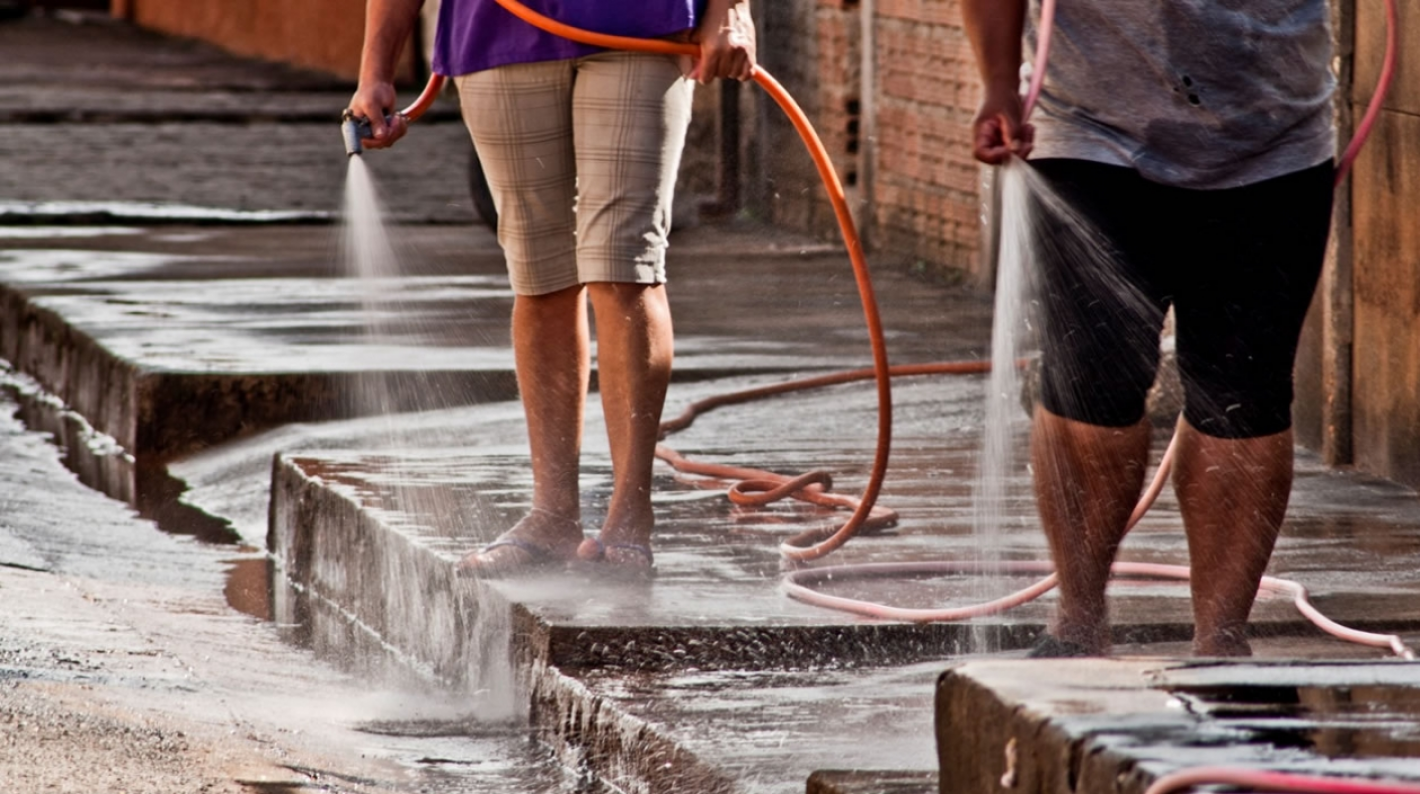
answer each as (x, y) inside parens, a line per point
(508, 557)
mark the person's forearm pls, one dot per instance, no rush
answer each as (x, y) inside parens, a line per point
(388, 25)
(995, 27)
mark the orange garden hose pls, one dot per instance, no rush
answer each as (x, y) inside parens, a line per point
(425, 99)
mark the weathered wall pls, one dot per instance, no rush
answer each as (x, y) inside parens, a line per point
(1321, 412)
(805, 45)
(1358, 372)
(1385, 196)
(896, 124)
(317, 34)
(926, 184)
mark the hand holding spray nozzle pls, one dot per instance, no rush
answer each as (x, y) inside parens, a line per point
(354, 129)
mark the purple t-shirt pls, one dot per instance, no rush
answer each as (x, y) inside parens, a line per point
(474, 35)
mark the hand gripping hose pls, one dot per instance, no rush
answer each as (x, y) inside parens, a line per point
(759, 487)
(355, 129)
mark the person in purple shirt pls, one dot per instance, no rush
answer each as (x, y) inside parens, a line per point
(581, 148)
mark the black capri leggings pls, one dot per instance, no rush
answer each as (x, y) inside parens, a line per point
(1239, 267)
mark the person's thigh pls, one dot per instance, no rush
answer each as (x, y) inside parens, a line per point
(630, 115)
(1096, 249)
(520, 117)
(1243, 291)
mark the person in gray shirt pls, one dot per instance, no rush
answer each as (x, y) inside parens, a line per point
(1196, 137)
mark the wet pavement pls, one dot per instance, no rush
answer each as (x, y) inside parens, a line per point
(124, 667)
(218, 375)
(101, 121)
(1115, 726)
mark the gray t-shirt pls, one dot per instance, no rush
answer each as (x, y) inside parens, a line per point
(1193, 93)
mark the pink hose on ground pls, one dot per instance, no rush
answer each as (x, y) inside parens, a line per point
(1259, 780)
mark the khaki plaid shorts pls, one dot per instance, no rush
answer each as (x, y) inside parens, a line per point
(581, 156)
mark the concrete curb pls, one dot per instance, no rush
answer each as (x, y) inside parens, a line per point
(374, 586)
(1113, 726)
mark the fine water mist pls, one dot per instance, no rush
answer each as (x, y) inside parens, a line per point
(371, 253)
(1010, 339)
(1035, 223)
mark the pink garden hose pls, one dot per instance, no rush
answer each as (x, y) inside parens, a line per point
(1260, 780)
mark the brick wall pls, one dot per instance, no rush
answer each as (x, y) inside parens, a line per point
(926, 184)
(922, 205)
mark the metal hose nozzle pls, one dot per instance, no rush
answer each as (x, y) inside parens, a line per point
(353, 129)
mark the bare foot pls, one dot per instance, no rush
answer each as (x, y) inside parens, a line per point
(628, 549)
(540, 540)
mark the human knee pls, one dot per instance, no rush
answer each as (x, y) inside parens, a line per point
(1249, 404)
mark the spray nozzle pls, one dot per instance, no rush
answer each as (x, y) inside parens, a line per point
(354, 129)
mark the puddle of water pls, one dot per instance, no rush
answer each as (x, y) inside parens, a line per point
(54, 232)
(1342, 722)
(22, 266)
(89, 211)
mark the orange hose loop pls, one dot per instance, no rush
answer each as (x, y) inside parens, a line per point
(425, 99)
(762, 492)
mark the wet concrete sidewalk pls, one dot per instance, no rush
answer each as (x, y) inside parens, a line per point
(725, 683)
(102, 121)
(237, 362)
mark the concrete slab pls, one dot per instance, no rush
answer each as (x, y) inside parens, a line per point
(369, 535)
(125, 667)
(753, 732)
(1387, 366)
(170, 340)
(599, 661)
(1095, 726)
(844, 782)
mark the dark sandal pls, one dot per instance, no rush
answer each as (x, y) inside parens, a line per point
(511, 556)
(1052, 647)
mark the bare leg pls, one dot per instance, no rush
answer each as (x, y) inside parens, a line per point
(634, 351)
(550, 353)
(1233, 494)
(1087, 481)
